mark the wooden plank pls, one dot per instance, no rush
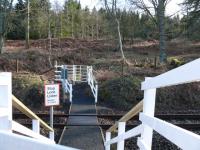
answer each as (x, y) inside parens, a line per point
(133, 112)
(21, 107)
(187, 73)
(181, 137)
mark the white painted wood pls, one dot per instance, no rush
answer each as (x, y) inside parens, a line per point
(51, 135)
(187, 73)
(96, 94)
(57, 79)
(108, 137)
(129, 134)
(3, 112)
(26, 131)
(142, 145)
(74, 73)
(36, 126)
(121, 130)
(68, 88)
(148, 108)
(92, 83)
(70, 93)
(10, 141)
(6, 101)
(182, 138)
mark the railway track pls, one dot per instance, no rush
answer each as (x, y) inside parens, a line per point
(117, 116)
(167, 117)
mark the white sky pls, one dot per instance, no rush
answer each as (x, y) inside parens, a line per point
(172, 7)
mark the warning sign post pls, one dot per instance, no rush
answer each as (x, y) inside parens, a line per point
(52, 95)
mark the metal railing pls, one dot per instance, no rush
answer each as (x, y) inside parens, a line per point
(184, 139)
(13, 135)
(68, 74)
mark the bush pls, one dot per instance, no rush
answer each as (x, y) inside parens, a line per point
(175, 62)
(29, 89)
(35, 96)
(122, 93)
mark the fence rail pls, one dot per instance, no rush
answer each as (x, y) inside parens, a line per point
(14, 135)
(25, 110)
(68, 74)
(92, 82)
(184, 139)
(133, 112)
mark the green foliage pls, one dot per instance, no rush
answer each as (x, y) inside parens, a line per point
(74, 21)
(121, 93)
(17, 23)
(29, 89)
(192, 19)
(175, 62)
(5, 8)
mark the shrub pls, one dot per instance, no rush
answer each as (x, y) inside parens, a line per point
(121, 93)
(29, 89)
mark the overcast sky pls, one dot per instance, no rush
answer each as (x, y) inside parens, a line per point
(172, 7)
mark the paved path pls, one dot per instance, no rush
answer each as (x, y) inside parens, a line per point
(77, 133)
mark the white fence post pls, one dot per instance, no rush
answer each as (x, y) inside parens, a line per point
(70, 93)
(74, 73)
(6, 101)
(51, 135)
(108, 137)
(148, 109)
(88, 74)
(96, 94)
(121, 130)
(36, 126)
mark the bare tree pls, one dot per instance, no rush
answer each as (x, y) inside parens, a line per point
(156, 10)
(111, 8)
(5, 8)
(28, 25)
(49, 34)
(58, 22)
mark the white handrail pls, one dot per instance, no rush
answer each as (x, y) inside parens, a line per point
(180, 137)
(76, 73)
(183, 74)
(92, 82)
(28, 139)
(129, 134)
(10, 141)
(67, 88)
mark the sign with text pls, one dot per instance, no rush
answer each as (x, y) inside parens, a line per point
(52, 94)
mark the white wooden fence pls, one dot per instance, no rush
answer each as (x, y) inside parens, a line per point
(184, 139)
(67, 74)
(92, 82)
(14, 136)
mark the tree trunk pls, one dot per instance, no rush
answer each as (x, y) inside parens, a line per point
(72, 24)
(49, 38)
(28, 25)
(1, 44)
(120, 39)
(97, 26)
(161, 24)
